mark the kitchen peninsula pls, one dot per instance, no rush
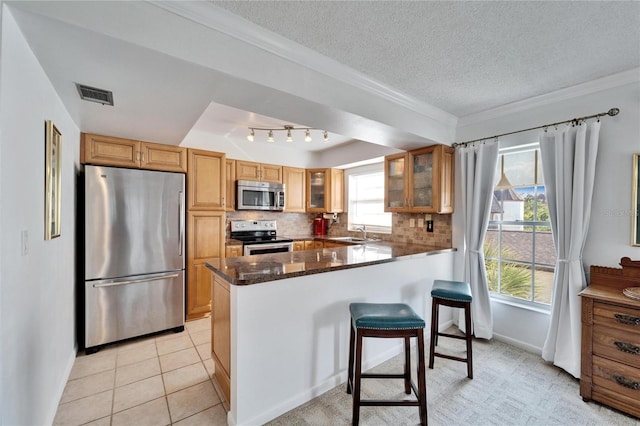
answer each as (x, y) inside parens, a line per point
(280, 322)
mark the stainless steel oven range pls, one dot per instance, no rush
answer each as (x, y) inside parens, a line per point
(259, 237)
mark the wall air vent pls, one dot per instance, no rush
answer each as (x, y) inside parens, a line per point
(92, 94)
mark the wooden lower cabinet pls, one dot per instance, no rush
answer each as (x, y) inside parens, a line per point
(221, 334)
(205, 240)
(198, 291)
(298, 246)
(610, 371)
(313, 245)
(233, 251)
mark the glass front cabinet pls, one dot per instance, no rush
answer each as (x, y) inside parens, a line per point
(420, 181)
(325, 190)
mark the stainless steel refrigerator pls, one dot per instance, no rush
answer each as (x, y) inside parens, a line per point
(134, 253)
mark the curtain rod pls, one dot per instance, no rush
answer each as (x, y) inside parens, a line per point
(612, 112)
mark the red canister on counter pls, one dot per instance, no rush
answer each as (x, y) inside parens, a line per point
(319, 226)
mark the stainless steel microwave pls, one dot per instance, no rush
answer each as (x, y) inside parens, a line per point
(252, 195)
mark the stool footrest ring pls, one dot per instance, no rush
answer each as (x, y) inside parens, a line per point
(388, 403)
(453, 336)
(381, 376)
(455, 358)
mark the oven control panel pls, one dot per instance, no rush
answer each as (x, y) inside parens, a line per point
(253, 225)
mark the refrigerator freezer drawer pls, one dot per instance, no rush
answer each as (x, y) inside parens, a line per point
(132, 306)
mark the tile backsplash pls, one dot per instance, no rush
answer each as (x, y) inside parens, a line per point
(289, 224)
(403, 232)
(298, 225)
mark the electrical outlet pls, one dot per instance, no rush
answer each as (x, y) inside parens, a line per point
(412, 223)
(427, 217)
(420, 223)
(429, 226)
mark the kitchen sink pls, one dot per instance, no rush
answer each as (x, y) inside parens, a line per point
(354, 239)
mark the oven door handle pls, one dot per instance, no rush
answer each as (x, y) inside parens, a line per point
(246, 250)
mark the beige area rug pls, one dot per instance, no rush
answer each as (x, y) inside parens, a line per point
(510, 387)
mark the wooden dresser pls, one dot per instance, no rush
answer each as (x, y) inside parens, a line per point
(611, 338)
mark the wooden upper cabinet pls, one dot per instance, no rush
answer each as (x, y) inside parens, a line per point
(420, 181)
(294, 189)
(325, 190)
(206, 180)
(155, 156)
(110, 151)
(230, 174)
(249, 170)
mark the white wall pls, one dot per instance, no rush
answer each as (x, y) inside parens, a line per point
(304, 341)
(37, 308)
(610, 228)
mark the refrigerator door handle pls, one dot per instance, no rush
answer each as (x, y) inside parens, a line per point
(139, 280)
(181, 222)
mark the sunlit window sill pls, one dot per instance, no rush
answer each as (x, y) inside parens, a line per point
(525, 306)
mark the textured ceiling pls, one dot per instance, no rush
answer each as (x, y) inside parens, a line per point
(462, 57)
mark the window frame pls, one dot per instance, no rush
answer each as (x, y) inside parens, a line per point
(531, 264)
(377, 167)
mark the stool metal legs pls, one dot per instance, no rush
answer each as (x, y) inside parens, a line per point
(355, 374)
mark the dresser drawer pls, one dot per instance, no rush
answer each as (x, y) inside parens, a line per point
(616, 345)
(618, 317)
(616, 377)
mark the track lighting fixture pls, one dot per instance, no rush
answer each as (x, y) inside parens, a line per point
(289, 135)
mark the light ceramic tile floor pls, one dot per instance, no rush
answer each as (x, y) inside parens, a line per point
(164, 379)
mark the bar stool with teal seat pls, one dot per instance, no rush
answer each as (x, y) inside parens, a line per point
(456, 294)
(386, 320)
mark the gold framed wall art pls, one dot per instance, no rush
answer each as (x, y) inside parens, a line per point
(635, 200)
(53, 140)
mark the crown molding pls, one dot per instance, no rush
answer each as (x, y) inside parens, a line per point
(218, 19)
(593, 86)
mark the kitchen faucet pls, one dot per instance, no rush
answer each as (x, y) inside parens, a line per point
(363, 229)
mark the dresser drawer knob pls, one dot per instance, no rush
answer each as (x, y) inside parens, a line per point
(628, 348)
(627, 383)
(627, 319)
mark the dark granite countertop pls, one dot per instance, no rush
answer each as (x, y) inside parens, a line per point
(245, 270)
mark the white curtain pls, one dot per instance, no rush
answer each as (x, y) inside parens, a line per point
(477, 164)
(568, 164)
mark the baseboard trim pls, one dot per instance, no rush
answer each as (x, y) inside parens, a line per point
(518, 344)
(55, 401)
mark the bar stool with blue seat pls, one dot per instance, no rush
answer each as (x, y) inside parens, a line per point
(386, 320)
(456, 294)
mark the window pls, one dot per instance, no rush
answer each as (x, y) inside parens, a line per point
(519, 253)
(366, 199)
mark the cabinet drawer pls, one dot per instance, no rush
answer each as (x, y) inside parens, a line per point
(616, 345)
(616, 377)
(617, 317)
